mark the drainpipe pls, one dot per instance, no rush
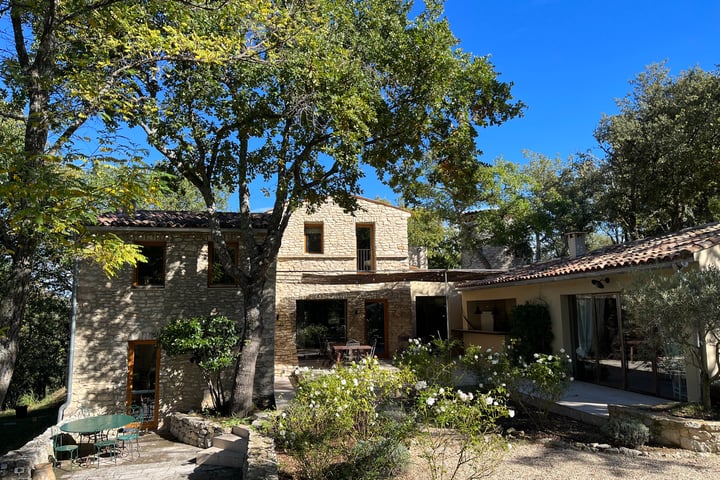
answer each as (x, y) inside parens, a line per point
(71, 349)
(447, 304)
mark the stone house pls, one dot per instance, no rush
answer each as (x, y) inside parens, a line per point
(584, 295)
(116, 359)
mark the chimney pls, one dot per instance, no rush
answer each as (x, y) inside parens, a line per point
(576, 243)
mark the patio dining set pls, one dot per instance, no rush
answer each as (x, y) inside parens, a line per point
(106, 436)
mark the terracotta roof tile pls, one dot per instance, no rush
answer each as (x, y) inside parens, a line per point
(175, 219)
(666, 248)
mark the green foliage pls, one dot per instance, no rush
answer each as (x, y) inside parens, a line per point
(627, 433)
(432, 363)
(426, 228)
(665, 125)
(679, 312)
(530, 330)
(534, 384)
(212, 344)
(345, 423)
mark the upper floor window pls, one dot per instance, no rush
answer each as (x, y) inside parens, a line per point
(151, 272)
(217, 273)
(365, 238)
(313, 238)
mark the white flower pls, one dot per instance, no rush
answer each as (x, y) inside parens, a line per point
(476, 357)
(550, 357)
(421, 385)
(562, 350)
(511, 413)
(441, 391)
(572, 379)
(343, 382)
(430, 401)
(282, 433)
(489, 400)
(355, 382)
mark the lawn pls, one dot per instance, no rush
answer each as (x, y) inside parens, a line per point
(16, 432)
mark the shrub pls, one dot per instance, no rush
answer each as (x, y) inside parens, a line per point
(430, 362)
(627, 433)
(530, 331)
(211, 342)
(349, 421)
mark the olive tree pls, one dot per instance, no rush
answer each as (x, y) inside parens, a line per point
(681, 309)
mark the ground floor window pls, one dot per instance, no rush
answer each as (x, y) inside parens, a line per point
(319, 322)
(609, 350)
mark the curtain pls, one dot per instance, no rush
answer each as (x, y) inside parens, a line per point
(584, 326)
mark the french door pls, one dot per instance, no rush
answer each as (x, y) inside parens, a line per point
(143, 384)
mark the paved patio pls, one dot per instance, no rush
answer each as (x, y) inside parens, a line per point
(163, 459)
(160, 459)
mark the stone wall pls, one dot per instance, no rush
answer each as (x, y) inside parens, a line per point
(339, 256)
(689, 434)
(112, 313)
(260, 462)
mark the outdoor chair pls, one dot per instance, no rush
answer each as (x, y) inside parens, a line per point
(372, 350)
(107, 445)
(132, 434)
(349, 355)
(60, 447)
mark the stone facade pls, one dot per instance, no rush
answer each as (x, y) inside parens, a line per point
(112, 313)
(339, 255)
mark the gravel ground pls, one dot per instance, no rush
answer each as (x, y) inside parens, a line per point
(550, 460)
(538, 461)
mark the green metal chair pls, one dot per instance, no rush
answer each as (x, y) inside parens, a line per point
(108, 445)
(59, 448)
(132, 433)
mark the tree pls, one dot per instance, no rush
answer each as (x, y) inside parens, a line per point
(530, 208)
(661, 155)
(680, 310)
(64, 66)
(426, 228)
(324, 88)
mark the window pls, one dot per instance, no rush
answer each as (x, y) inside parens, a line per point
(151, 272)
(490, 315)
(218, 276)
(365, 238)
(313, 238)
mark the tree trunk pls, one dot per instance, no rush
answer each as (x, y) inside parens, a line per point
(12, 311)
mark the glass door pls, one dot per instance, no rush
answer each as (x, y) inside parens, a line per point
(599, 341)
(376, 326)
(143, 370)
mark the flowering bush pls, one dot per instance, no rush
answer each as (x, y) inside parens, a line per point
(430, 362)
(341, 423)
(539, 382)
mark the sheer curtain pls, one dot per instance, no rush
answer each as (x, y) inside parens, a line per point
(584, 323)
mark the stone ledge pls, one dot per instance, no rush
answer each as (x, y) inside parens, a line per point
(689, 434)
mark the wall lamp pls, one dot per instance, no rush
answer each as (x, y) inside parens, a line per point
(600, 283)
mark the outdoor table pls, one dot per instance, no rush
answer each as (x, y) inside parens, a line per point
(97, 423)
(351, 349)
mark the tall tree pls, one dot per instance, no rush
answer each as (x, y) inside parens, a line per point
(333, 86)
(661, 156)
(64, 64)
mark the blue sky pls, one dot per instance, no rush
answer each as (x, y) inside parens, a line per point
(570, 59)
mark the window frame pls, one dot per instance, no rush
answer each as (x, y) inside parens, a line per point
(211, 262)
(314, 225)
(138, 268)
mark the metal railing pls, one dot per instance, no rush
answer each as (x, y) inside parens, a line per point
(365, 260)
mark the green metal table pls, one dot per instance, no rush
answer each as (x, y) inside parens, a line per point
(96, 424)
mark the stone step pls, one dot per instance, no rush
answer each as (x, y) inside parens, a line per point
(241, 431)
(221, 457)
(228, 441)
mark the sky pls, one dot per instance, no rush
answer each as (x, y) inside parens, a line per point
(569, 60)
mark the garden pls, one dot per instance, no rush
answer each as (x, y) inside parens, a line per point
(446, 413)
